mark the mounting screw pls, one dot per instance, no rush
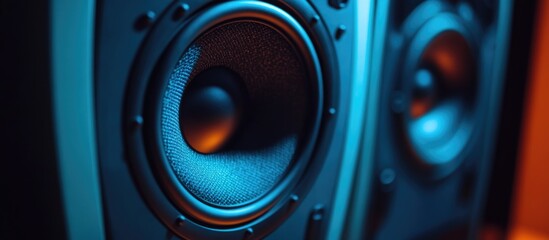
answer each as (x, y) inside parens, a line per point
(293, 199)
(248, 234)
(318, 213)
(340, 31)
(387, 179)
(466, 11)
(180, 221)
(137, 122)
(314, 225)
(181, 11)
(315, 19)
(145, 20)
(338, 4)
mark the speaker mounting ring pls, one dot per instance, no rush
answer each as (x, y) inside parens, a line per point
(160, 37)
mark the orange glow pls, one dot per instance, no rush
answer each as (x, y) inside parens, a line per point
(420, 107)
(210, 137)
(530, 217)
(447, 62)
(526, 234)
(452, 56)
(491, 232)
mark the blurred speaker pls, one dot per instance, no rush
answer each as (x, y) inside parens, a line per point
(221, 119)
(425, 160)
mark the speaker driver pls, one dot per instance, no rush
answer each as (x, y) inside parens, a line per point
(244, 87)
(441, 85)
(232, 110)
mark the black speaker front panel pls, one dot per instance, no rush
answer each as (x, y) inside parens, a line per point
(279, 69)
(439, 65)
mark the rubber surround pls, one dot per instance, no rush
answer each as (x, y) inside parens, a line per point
(173, 205)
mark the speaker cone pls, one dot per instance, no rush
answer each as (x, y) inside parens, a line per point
(441, 87)
(238, 63)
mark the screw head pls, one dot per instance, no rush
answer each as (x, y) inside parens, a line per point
(387, 179)
(340, 31)
(318, 212)
(181, 11)
(293, 199)
(137, 122)
(249, 233)
(338, 4)
(315, 19)
(145, 20)
(180, 221)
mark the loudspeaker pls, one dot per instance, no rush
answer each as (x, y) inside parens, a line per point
(178, 119)
(221, 119)
(437, 73)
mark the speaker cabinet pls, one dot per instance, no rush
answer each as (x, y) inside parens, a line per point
(222, 119)
(426, 155)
